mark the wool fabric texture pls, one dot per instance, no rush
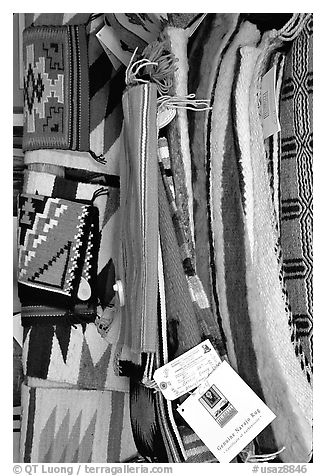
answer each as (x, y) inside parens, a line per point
(182, 323)
(56, 97)
(226, 210)
(76, 355)
(154, 428)
(177, 131)
(62, 425)
(198, 295)
(247, 61)
(205, 55)
(106, 200)
(196, 451)
(104, 95)
(139, 223)
(57, 242)
(296, 190)
(285, 388)
(232, 255)
(74, 160)
(50, 361)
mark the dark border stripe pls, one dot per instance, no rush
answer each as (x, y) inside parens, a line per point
(30, 425)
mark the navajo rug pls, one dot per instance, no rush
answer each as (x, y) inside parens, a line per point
(177, 132)
(296, 189)
(205, 319)
(63, 353)
(73, 354)
(205, 55)
(225, 204)
(57, 243)
(106, 200)
(56, 90)
(63, 425)
(139, 221)
(104, 92)
(285, 388)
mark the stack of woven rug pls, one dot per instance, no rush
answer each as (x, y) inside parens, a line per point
(154, 215)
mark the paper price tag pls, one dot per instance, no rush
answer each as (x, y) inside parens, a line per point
(225, 413)
(269, 109)
(186, 372)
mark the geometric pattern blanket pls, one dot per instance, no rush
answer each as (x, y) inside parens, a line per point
(105, 199)
(296, 190)
(57, 245)
(76, 355)
(56, 88)
(285, 387)
(63, 425)
(102, 90)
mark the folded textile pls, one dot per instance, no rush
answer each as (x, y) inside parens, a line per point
(296, 190)
(75, 426)
(206, 52)
(139, 221)
(56, 89)
(74, 160)
(57, 250)
(104, 94)
(286, 390)
(65, 351)
(204, 316)
(154, 427)
(184, 330)
(177, 132)
(196, 451)
(226, 207)
(106, 200)
(240, 99)
(76, 355)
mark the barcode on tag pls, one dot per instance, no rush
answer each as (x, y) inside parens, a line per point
(265, 105)
(218, 406)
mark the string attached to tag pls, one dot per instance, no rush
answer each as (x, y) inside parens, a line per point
(167, 106)
(184, 102)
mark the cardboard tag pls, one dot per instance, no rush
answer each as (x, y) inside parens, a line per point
(112, 46)
(269, 109)
(225, 413)
(186, 372)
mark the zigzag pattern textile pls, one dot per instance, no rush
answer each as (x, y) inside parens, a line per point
(57, 249)
(64, 425)
(77, 355)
